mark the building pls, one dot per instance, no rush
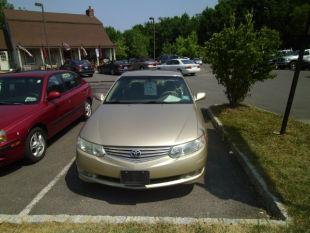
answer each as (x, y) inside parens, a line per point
(68, 36)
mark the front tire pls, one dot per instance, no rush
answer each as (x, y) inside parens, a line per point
(35, 145)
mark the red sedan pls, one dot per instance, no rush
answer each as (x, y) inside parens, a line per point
(34, 106)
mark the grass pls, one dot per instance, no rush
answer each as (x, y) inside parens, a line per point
(132, 228)
(283, 160)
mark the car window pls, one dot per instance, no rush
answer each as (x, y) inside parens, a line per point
(175, 62)
(71, 80)
(187, 61)
(170, 62)
(55, 84)
(21, 90)
(306, 53)
(149, 90)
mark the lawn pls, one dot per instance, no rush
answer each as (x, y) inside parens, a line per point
(283, 160)
(133, 228)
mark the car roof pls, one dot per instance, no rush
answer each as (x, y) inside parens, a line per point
(151, 73)
(39, 74)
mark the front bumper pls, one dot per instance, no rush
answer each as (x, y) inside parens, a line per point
(11, 152)
(164, 171)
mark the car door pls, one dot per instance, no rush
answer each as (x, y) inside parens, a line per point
(55, 115)
(76, 94)
(168, 65)
(307, 55)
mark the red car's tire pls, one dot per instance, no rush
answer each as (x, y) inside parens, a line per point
(36, 144)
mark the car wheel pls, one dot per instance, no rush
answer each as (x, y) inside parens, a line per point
(87, 109)
(112, 72)
(293, 65)
(35, 145)
(141, 68)
(180, 71)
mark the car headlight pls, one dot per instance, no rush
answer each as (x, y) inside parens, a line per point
(3, 137)
(90, 148)
(188, 148)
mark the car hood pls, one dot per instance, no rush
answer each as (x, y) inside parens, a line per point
(143, 125)
(12, 114)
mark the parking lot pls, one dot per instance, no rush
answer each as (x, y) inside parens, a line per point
(51, 187)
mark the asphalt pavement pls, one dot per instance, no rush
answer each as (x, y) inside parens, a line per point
(51, 187)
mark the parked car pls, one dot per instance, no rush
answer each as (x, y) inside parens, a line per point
(143, 63)
(287, 59)
(164, 58)
(82, 67)
(184, 66)
(148, 133)
(290, 60)
(34, 106)
(115, 67)
(198, 61)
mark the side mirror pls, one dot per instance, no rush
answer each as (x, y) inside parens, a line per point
(99, 96)
(53, 95)
(200, 96)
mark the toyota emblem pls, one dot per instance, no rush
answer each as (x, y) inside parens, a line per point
(135, 154)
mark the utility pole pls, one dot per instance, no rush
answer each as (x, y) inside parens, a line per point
(153, 20)
(295, 79)
(38, 4)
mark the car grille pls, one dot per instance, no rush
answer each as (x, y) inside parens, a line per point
(147, 153)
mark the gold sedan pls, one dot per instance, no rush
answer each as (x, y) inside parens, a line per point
(148, 133)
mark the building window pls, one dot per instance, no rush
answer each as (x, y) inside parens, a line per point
(29, 60)
(3, 56)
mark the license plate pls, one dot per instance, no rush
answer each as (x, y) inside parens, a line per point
(135, 178)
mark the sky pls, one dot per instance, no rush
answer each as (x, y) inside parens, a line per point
(121, 14)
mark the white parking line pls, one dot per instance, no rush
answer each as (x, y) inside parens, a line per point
(45, 190)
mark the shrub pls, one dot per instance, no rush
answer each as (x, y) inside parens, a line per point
(240, 56)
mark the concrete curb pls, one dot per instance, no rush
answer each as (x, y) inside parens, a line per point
(64, 218)
(273, 204)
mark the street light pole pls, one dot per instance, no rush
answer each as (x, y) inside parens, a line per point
(295, 79)
(38, 4)
(153, 20)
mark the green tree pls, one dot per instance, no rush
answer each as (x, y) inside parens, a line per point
(113, 34)
(188, 46)
(239, 57)
(137, 42)
(118, 39)
(4, 5)
(121, 49)
(168, 48)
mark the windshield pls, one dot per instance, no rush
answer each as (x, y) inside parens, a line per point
(153, 90)
(20, 90)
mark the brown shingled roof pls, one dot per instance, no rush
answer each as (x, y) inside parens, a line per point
(2, 41)
(26, 28)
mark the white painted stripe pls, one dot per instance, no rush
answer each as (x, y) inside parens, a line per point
(45, 190)
(19, 219)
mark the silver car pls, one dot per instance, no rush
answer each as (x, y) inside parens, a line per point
(148, 133)
(185, 66)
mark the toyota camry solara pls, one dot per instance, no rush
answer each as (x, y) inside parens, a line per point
(148, 133)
